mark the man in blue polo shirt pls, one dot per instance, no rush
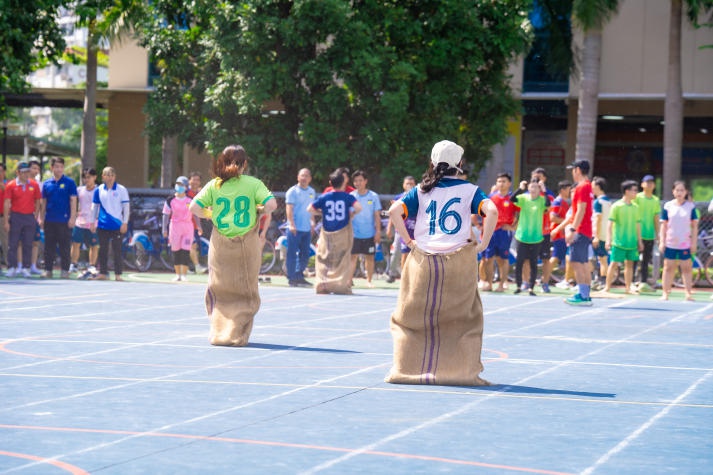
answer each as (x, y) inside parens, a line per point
(300, 224)
(59, 205)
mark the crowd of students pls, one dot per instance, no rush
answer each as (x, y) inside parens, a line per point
(582, 221)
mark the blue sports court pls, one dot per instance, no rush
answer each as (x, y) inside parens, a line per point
(117, 378)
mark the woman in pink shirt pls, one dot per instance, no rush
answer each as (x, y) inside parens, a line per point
(180, 234)
(678, 239)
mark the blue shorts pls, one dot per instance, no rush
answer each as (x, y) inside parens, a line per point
(559, 249)
(85, 236)
(499, 245)
(601, 249)
(677, 254)
(579, 249)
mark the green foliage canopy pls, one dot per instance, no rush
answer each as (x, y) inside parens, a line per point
(30, 38)
(369, 84)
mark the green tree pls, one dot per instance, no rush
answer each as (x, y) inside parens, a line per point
(368, 84)
(30, 38)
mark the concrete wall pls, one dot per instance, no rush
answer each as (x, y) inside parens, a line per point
(128, 147)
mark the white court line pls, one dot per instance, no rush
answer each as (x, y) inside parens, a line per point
(609, 340)
(642, 428)
(444, 417)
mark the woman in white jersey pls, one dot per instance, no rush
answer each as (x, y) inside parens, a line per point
(437, 326)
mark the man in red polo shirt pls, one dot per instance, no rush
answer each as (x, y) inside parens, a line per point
(21, 207)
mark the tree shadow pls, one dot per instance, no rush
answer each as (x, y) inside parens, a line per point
(509, 388)
(269, 346)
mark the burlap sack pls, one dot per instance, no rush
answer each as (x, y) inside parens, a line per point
(333, 262)
(437, 326)
(232, 298)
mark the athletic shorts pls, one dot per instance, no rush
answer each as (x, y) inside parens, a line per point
(364, 246)
(85, 236)
(579, 249)
(499, 245)
(545, 248)
(559, 249)
(620, 255)
(677, 254)
(601, 249)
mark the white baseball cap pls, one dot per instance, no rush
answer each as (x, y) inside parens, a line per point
(447, 152)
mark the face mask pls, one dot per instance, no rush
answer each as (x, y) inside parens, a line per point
(180, 189)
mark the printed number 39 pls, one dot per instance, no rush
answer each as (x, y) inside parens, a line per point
(443, 216)
(335, 211)
(241, 212)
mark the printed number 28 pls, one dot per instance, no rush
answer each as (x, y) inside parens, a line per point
(241, 212)
(440, 217)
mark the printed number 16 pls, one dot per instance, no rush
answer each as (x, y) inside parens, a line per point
(444, 214)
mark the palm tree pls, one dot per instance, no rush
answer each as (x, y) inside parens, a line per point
(590, 16)
(673, 108)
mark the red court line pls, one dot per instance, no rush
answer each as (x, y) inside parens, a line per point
(708, 317)
(65, 466)
(286, 445)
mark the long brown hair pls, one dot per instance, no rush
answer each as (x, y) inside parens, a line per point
(229, 163)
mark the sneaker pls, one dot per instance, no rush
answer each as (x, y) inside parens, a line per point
(201, 269)
(26, 273)
(578, 300)
(46, 274)
(532, 293)
(64, 274)
(546, 288)
(73, 269)
(596, 285)
(304, 282)
(646, 288)
(35, 271)
(177, 279)
(118, 278)
(293, 283)
(390, 279)
(517, 291)
(562, 285)
(11, 272)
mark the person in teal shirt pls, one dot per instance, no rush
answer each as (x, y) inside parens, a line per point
(528, 235)
(624, 236)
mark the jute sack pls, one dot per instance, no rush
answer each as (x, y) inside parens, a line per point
(333, 262)
(232, 298)
(437, 326)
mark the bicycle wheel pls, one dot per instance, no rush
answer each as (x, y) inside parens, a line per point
(268, 257)
(142, 258)
(127, 255)
(166, 257)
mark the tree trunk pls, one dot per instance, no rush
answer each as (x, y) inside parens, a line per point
(89, 126)
(587, 112)
(673, 109)
(169, 154)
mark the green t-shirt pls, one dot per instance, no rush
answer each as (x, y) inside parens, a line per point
(234, 203)
(625, 218)
(529, 224)
(649, 208)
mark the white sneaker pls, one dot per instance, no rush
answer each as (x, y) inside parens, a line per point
(34, 270)
(562, 285)
(73, 269)
(201, 269)
(11, 272)
(177, 278)
(26, 273)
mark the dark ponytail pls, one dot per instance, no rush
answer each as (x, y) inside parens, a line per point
(432, 176)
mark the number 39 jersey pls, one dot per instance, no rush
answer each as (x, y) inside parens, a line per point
(335, 206)
(234, 203)
(443, 214)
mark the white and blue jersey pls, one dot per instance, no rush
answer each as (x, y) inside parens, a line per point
(363, 222)
(300, 198)
(111, 206)
(443, 214)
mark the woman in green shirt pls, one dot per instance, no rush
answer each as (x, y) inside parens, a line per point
(233, 202)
